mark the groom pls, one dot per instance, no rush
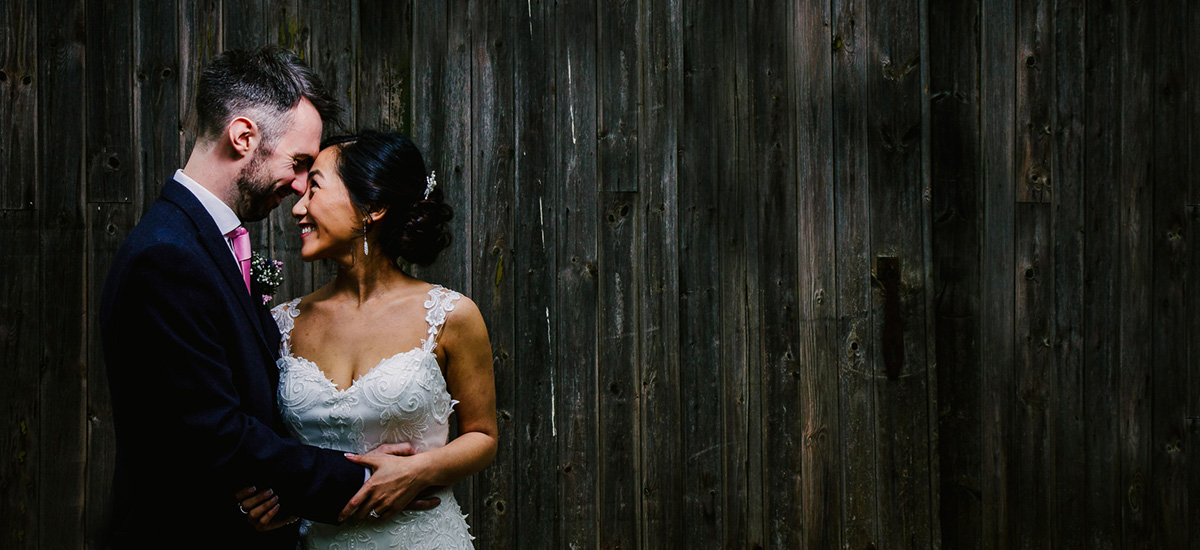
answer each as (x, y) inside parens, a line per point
(190, 348)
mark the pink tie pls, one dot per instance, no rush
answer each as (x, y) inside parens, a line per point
(241, 250)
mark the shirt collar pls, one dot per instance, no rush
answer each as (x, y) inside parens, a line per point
(221, 213)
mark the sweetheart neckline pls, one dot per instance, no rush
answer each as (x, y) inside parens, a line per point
(354, 383)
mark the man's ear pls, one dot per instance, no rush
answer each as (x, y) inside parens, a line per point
(243, 135)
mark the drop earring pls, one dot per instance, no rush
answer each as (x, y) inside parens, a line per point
(366, 226)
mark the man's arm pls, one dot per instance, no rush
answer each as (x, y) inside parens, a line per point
(172, 312)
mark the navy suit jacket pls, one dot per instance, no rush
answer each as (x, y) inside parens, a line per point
(191, 367)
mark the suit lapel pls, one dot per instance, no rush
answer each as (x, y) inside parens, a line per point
(214, 243)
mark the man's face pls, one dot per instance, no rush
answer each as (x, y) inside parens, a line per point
(272, 175)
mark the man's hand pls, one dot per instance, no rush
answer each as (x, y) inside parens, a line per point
(262, 509)
(424, 499)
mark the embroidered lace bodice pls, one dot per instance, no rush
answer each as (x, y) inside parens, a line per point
(402, 398)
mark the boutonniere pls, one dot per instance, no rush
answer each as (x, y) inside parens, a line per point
(267, 273)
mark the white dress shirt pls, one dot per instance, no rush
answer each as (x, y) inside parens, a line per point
(221, 213)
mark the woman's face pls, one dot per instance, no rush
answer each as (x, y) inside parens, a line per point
(330, 225)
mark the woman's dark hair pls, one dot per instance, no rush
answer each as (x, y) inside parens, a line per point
(385, 170)
(265, 83)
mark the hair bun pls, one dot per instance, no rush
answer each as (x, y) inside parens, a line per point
(424, 234)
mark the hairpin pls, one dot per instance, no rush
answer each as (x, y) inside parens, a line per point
(430, 183)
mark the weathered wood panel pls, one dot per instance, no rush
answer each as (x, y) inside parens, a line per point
(718, 246)
(856, 353)
(18, 104)
(493, 280)
(1171, 289)
(62, 235)
(535, 267)
(1101, 178)
(955, 178)
(998, 333)
(822, 494)
(1136, 246)
(1066, 177)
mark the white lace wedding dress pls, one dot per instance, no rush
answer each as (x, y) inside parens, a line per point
(403, 398)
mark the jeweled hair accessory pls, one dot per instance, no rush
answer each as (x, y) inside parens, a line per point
(430, 183)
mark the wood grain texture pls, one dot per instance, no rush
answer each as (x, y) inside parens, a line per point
(955, 252)
(997, 353)
(619, 276)
(493, 280)
(660, 372)
(822, 496)
(1136, 245)
(535, 268)
(110, 142)
(1101, 262)
(576, 325)
(62, 236)
(199, 41)
(856, 346)
(21, 342)
(1067, 176)
(702, 427)
(384, 79)
(1171, 293)
(896, 191)
(1033, 280)
(18, 104)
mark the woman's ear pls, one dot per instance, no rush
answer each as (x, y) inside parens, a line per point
(377, 213)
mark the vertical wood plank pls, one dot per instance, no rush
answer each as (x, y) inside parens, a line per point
(617, 74)
(618, 270)
(955, 161)
(1034, 275)
(897, 329)
(1136, 276)
(997, 330)
(742, 384)
(21, 340)
(660, 54)
(385, 66)
(108, 224)
(706, 138)
(18, 104)
(852, 218)
(772, 142)
(20, 295)
(1170, 291)
(493, 281)
(63, 365)
(111, 108)
(1069, 191)
(576, 324)
(157, 92)
(1193, 368)
(535, 268)
(821, 497)
(1101, 264)
(199, 41)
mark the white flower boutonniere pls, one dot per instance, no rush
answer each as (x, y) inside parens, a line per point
(267, 273)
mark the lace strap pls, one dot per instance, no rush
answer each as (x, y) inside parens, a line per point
(284, 315)
(440, 303)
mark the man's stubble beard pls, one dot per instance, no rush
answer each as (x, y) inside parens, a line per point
(255, 189)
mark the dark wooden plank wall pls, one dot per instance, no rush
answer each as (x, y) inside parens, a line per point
(906, 273)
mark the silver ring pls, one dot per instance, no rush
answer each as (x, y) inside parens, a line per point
(374, 514)
(242, 510)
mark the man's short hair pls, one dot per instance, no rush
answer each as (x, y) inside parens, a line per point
(264, 85)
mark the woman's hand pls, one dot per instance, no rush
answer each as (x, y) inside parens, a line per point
(394, 485)
(262, 509)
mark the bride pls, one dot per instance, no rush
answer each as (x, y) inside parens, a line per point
(377, 356)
